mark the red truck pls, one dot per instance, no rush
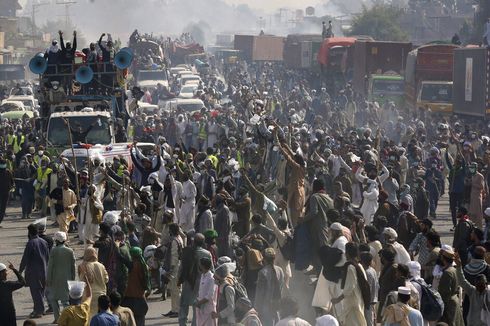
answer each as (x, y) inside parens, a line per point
(429, 78)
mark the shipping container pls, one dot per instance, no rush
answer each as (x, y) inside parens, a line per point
(471, 86)
(298, 50)
(260, 48)
(376, 57)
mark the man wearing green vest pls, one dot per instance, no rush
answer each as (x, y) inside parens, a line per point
(40, 184)
(17, 141)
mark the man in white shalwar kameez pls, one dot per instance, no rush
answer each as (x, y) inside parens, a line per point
(326, 290)
(402, 255)
(207, 296)
(188, 207)
(352, 312)
(370, 196)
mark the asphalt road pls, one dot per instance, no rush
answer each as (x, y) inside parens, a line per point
(13, 237)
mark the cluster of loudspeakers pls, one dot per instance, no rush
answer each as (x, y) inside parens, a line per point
(84, 74)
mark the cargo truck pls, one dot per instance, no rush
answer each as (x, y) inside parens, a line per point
(336, 59)
(300, 50)
(429, 78)
(260, 47)
(378, 69)
(471, 88)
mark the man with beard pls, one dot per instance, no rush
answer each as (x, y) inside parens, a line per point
(204, 218)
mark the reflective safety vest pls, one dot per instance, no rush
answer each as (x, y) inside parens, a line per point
(16, 145)
(42, 177)
(203, 134)
(38, 159)
(240, 159)
(120, 170)
(214, 160)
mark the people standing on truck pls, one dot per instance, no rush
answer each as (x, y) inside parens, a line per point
(486, 35)
(67, 58)
(52, 55)
(67, 55)
(107, 50)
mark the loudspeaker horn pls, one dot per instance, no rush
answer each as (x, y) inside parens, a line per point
(123, 58)
(38, 64)
(84, 75)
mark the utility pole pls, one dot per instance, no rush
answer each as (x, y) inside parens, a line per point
(35, 7)
(67, 5)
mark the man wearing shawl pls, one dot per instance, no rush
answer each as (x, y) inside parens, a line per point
(96, 275)
(138, 285)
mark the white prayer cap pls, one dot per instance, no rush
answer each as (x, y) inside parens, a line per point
(326, 320)
(447, 250)
(391, 233)
(111, 217)
(59, 236)
(223, 260)
(414, 268)
(2, 267)
(404, 290)
(336, 226)
(225, 265)
(76, 289)
(41, 223)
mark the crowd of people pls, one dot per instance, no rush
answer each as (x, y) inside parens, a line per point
(272, 183)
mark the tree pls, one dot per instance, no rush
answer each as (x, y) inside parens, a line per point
(480, 19)
(380, 22)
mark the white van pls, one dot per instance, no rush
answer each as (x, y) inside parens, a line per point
(105, 153)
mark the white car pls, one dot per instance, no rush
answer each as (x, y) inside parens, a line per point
(184, 73)
(146, 108)
(174, 71)
(188, 90)
(11, 105)
(151, 78)
(188, 105)
(30, 103)
(186, 78)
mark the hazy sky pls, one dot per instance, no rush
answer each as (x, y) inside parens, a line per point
(271, 5)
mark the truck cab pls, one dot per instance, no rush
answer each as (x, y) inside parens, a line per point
(386, 88)
(92, 127)
(436, 96)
